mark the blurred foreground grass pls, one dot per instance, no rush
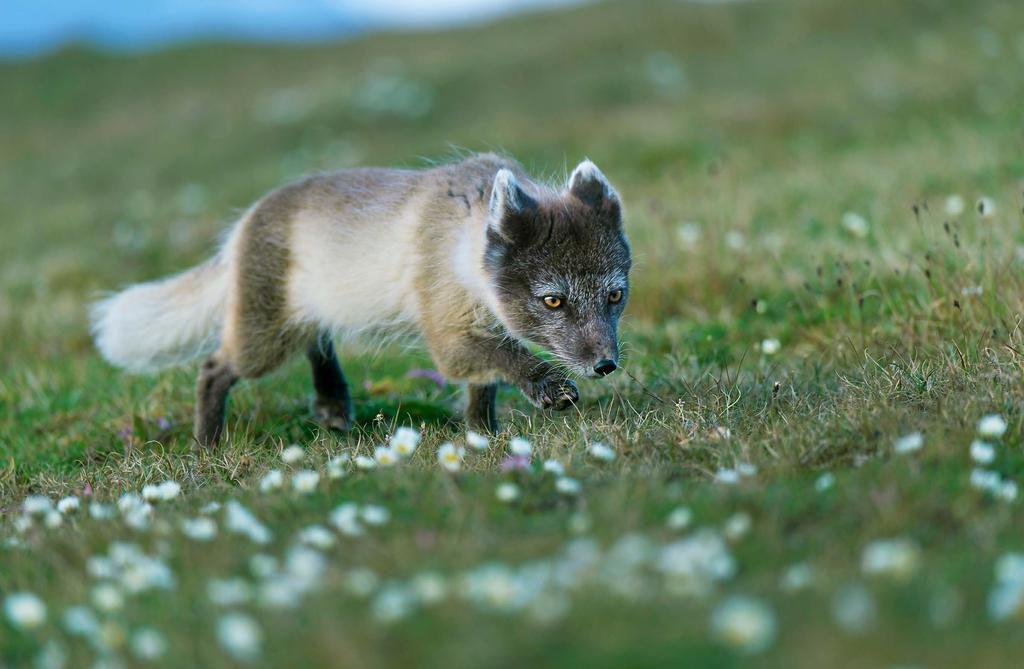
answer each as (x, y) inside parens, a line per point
(806, 173)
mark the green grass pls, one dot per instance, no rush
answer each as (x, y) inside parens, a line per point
(761, 123)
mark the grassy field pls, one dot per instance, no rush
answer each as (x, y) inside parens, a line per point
(825, 204)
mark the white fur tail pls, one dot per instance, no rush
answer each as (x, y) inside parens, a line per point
(163, 323)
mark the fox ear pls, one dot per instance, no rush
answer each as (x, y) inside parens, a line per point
(590, 186)
(508, 205)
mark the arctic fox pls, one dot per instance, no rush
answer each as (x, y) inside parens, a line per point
(475, 256)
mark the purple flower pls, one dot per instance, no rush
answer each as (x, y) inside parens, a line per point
(431, 374)
(515, 463)
(163, 423)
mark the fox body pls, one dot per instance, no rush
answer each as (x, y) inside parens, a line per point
(474, 256)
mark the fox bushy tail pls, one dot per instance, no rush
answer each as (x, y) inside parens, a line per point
(166, 322)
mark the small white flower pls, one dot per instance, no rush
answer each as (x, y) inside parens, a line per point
(727, 476)
(161, 492)
(984, 479)
(36, 504)
(521, 447)
(855, 224)
(679, 518)
(737, 526)
(240, 636)
(385, 456)
(1007, 491)
(365, 462)
(404, 441)
(797, 577)
(477, 440)
(602, 451)
(735, 240)
(954, 205)
(24, 610)
(507, 492)
(272, 480)
(986, 207)
(346, 519)
(567, 486)
(100, 511)
(129, 501)
(744, 623)
(854, 609)
(53, 519)
(450, 457)
(305, 481)
(746, 469)
(148, 644)
(688, 234)
(317, 536)
(211, 507)
(293, 454)
(69, 504)
(199, 529)
(80, 621)
(554, 467)
(228, 591)
(982, 452)
(106, 597)
(897, 557)
(770, 346)
(263, 566)
(373, 514)
(992, 426)
(241, 520)
(336, 466)
(825, 482)
(908, 443)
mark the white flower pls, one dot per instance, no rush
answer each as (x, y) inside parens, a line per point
(240, 520)
(984, 479)
(679, 518)
(272, 480)
(954, 205)
(106, 597)
(129, 501)
(554, 467)
(293, 454)
(602, 451)
(824, 482)
(734, 240)
(1007, 491)
(36, 504)
(161, 492)
(100, 511)
(521, 447)
(148, 644)
(24, 610)
(796, 577)
(336, 466)
(69, 504)
(908, 443)
(365, 462)
(507, 492)
(404, 441)
(361, 582)
(450, 457)
(727, 476)
(897, 557)
(992, 426)
(770, 346)
(746, 469)
(80, 621)
(392, 604)
(737, 526)
(429, 587)
(317, 536)
(986, 207)
(853, 609)
(477, 440)
(373, 514)
(199, 529)
(567, 486)
(53, 519)
(210, 507)
(688, 234)
(228, 591)
(982, 452)
(262, 565)
(855, 224)
(346, 519)
(240, 636)
(385, 456)
(744, 623)
(305, 481)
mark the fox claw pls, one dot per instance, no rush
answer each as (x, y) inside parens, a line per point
(555, 393)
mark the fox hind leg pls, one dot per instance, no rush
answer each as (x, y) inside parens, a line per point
(481, 414)
(333, 403)
(216, 377)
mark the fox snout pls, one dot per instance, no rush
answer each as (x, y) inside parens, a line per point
(600, 358)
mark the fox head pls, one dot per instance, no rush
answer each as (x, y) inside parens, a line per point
(559, 266)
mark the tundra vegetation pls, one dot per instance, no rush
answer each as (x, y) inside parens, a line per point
(810, 456)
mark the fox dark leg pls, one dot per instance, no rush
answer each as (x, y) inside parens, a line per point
(333, 403)
(216, 377)
(481, 414)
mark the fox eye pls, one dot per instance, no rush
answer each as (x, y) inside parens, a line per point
(615, 296)
(552, 301)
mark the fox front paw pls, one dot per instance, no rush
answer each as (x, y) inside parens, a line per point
(558, 393)
(333, 415)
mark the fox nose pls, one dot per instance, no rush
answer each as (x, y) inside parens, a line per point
(605, 367)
